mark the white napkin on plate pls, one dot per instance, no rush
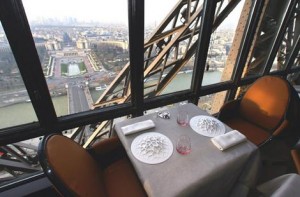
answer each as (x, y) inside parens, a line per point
(136, 127)
(228, 140)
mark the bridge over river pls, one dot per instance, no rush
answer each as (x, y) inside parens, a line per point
(79, 100)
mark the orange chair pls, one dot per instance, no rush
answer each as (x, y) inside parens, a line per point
(269, 107)
(103, 170)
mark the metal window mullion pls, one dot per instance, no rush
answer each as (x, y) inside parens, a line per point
(18, 33)
(136, 53)
(207, 20)
(293, 55)
(94, 116)
(279, 36)
(215, 88)
(246, 44)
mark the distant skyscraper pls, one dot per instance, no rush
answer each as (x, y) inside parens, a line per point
(66, 39)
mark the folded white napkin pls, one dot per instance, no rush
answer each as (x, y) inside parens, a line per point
(227, 140)
(136, 127)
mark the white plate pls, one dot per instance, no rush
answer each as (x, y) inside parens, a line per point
(207, 126)
(152, 148)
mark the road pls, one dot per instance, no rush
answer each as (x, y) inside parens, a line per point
(77, 99)
(78, 102)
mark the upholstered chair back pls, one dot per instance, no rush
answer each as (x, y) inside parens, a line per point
(265, 102)
(61, 156)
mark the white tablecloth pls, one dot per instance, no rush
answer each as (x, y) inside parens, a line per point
(206, 171)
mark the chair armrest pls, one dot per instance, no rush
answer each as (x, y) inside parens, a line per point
(107, 151)
(107, 145)
(229, 109)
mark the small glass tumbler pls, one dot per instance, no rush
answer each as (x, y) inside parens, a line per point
(183, 145)
(182, 118)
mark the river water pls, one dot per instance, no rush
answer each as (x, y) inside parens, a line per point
(24, 113)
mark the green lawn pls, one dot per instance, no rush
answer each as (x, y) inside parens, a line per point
(64, 69)
(82, 67)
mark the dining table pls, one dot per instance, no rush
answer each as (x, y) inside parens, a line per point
(205, 171)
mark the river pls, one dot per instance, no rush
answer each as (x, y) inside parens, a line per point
(22, 113)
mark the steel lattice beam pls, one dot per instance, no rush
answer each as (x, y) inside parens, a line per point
(162, 56)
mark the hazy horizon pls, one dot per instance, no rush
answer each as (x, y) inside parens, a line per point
(94, 11)
(104, 12)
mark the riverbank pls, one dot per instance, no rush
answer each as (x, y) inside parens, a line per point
(23, 112)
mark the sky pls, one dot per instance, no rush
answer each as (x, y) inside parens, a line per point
(106, 11)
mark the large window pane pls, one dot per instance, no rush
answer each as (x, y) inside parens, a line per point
(270, 26)
(285, 50)
(212, 102)
(171, 45)
(82, 48)
(224, 45)
(18, 160)
(15, 105)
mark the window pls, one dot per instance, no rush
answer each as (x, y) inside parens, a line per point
(225, 44)
(15, 104)
(82, 48)
(272, 24)
(169, 51)
(212, 102)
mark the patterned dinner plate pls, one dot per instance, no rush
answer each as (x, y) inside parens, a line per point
(152, 148)
(207, 126)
